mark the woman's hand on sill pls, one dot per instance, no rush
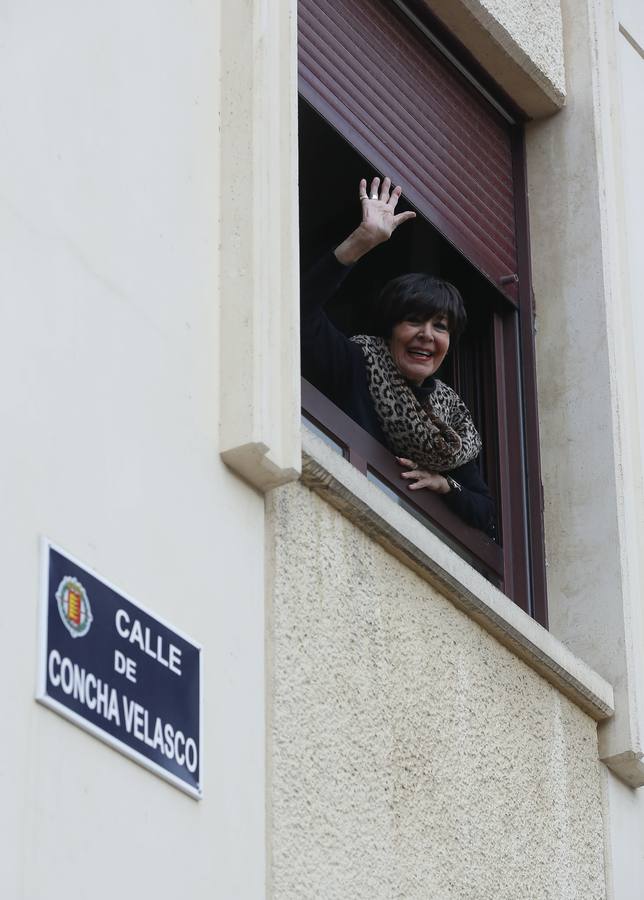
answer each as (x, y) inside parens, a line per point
(422, 479)
(378, 221)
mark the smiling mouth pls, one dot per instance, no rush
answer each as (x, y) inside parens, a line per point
(420, 354)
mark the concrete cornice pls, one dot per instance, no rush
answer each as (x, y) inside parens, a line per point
(518, 68)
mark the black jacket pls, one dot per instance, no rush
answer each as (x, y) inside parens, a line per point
(337, 367)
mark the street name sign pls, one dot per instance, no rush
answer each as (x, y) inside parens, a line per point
(120, 672)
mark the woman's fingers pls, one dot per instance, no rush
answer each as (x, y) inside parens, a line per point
(416, 474)
(395, 196)
(422, 480)
(403, 217)
(378, 219)
(405, 462)
(386, 195)
(419, 478)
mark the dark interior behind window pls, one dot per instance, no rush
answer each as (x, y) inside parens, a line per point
(329, 210)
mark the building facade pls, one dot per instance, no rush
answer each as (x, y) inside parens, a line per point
(378, 719)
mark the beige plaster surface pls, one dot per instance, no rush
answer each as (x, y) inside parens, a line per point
(518, 42)
(410, 754)
(371, 509)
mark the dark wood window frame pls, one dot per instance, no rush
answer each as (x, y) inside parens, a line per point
(516, 563)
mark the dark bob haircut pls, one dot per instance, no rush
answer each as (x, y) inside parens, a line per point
(419, 297)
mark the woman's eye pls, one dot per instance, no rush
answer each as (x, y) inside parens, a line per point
(441, 326)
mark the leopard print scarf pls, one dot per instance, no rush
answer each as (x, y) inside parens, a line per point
(437, 434)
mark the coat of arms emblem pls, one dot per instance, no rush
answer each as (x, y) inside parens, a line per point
(73, 606)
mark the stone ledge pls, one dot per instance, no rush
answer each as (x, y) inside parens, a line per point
(538, 90)
(340, 484)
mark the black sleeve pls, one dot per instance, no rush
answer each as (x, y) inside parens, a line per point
(473, 503)
(326, 353)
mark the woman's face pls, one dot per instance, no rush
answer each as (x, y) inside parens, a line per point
(418, 348)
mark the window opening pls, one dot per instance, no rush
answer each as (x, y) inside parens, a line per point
(469, 366)
(491, 367)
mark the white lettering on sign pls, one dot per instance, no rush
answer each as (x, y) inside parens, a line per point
(100, 697)
(123, 665)
(83, 686)
(171, 742)
(142, 637)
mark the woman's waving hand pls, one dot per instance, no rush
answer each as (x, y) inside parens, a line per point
(379, 220)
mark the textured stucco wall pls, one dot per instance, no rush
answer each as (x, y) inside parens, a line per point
(535, 26)
(411, 755)
(518, 42)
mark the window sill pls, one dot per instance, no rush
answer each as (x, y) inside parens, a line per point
(338, 482)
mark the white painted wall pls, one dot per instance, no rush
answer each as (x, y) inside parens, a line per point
(625, 806)
(109, 190)
(624, 824)
(629, 33)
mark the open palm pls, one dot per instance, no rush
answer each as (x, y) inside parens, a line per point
(379, 220)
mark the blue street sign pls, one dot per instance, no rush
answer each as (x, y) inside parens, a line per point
(120, 672)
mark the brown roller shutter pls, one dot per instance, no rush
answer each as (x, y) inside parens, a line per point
(394, 96)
